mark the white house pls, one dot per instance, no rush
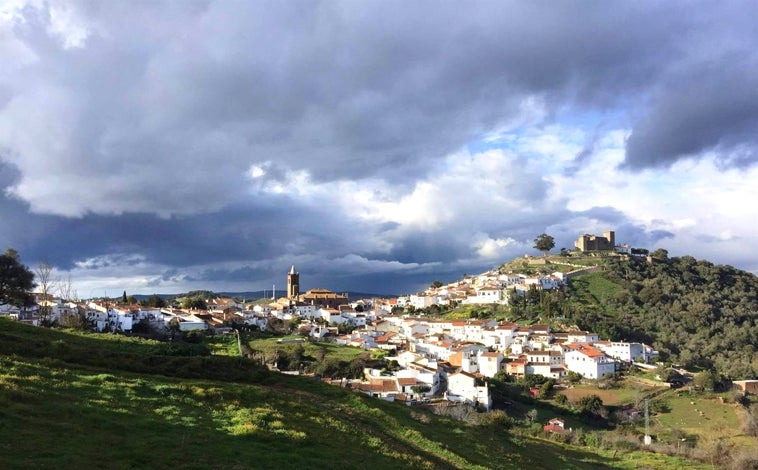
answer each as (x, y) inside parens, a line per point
(421, 300)
(489, 363)
(627, 352)
(469, 388)
(419, 375)
(590, 362)
(576, 336)
(499, 337)
(120, 320)
(545, 363)
(485, 295)
(412, 327)
(465, 357)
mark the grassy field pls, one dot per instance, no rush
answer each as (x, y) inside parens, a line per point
(596, 286)
(68, 418)
(313, 350)
(701, 417)
(67, 411)
(627, 391)
(612, 397)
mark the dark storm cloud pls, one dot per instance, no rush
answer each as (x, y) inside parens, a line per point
(137, 142)
(710, 110)
(236, 233)
(340, 89)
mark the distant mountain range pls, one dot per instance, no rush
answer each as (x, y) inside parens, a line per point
(255, 295)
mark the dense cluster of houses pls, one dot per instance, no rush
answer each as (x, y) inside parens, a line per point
(449, 358)
(464, 352)
(491, 287)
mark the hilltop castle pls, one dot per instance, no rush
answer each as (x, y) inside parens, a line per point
(589, 242)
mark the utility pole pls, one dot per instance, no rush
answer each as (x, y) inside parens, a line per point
(648, 439)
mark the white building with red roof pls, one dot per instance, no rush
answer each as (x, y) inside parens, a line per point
(588, 361)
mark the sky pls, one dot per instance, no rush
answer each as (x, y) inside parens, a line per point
(162, 147)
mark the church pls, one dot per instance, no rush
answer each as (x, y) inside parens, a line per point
(319, 297)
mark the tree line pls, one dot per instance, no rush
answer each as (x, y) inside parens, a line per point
(695, 313)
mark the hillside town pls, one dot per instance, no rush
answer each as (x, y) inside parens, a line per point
(436, 358)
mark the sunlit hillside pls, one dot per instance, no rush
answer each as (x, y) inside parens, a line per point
(71, 400)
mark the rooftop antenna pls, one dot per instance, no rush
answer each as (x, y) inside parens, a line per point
(648, 440)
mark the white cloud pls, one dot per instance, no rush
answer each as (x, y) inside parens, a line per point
(494, 249)
(68, 25)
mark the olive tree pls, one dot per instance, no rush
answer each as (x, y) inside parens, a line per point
(544, 243)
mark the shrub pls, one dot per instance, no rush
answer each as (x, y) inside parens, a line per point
(497, 418)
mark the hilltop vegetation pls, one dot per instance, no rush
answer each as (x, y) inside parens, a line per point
(695, 313)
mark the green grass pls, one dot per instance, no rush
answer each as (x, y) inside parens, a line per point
(313, 350)
(624, 394)
(72, 412)
(599, 287)
(66, 418)
(594, 291)
(701, 416)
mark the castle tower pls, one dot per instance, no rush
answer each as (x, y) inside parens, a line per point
(293, 283)
(611, 237)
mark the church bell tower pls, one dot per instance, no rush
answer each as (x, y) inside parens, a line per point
(293, 283)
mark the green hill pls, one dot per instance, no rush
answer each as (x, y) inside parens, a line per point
(74, 400)
(698, 314)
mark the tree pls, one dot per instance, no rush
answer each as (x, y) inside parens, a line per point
(16, 280)
(154, 301)
(544, 243)
(420, 389)
(573, 377)
(194, 303)
(533, 380)
(173, 327)
(590, 404)
(124, 298)
(436, 284)
(66, 290)
(77, 317)
(546, 388)
(44, 274)
(705, 380)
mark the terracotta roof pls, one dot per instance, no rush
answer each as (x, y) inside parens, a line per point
(592, 352)
(380, 385)
(588, 351)
(552, 428)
